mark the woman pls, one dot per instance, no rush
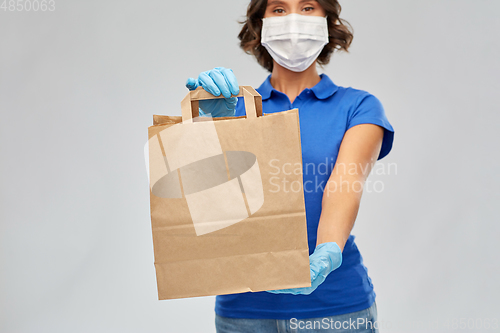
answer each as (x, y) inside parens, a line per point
(344, 127)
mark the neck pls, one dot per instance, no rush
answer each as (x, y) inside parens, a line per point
(293, 83)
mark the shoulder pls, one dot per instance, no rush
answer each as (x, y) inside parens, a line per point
(357, 97)
(346, 98)
(358, 104)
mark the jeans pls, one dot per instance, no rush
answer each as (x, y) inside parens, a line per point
(363, 321)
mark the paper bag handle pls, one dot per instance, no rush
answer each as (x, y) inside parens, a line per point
(189, 105)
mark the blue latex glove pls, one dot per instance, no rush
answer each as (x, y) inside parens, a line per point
(326, 258)
(217, 81)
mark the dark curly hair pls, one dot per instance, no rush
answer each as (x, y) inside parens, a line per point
(339, 32)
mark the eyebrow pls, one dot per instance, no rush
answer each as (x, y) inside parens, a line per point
(280, 2)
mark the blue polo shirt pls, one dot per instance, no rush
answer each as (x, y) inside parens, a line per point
(326, 112)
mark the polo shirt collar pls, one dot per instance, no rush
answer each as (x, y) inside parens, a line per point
(324, 89)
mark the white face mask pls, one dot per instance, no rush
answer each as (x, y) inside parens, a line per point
(294, 41)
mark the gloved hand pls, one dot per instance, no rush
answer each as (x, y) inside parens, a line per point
(326, 258)
(217, 81)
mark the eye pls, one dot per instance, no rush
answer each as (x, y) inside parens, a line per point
(279, 11)
(308, 9)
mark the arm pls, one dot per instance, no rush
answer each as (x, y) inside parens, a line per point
(358, 152)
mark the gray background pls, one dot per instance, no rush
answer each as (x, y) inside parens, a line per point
(78, 87)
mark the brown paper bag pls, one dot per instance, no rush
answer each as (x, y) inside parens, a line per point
(227, 208)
